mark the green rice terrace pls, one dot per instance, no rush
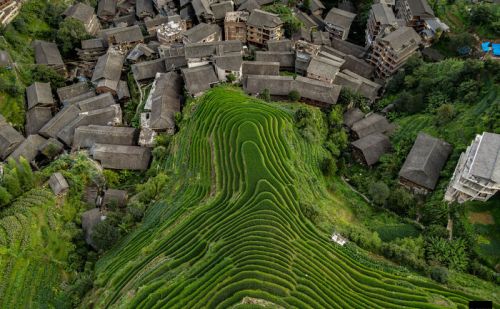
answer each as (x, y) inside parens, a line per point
(230, 230)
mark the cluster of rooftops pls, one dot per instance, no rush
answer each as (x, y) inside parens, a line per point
(476, 176)
(197, 44)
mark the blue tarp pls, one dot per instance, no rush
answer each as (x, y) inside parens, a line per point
(485, 46)
(496, 49)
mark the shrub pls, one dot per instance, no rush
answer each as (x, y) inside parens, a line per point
(265, 95)
(439, 274)
(310, 211)
(231, 78)
(159, 152)
(294, 96)
(445, 113)
(328, 166)
(45, 74)
(448, 253)
(379, 192)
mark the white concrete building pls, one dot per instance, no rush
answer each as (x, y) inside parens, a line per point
(477, 175)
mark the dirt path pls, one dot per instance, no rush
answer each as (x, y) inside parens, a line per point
(356, 191)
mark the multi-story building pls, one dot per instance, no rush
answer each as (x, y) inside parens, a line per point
(338, 23)
(381, 17)
(235, 26)
(414, 13)
(390, 51)
(263, 26)
(477, 175)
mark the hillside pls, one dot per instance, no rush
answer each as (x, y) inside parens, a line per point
(232, 227)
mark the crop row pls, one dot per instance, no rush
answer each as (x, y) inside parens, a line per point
(233, 229)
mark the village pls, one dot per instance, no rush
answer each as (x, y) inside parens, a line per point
(180, 51)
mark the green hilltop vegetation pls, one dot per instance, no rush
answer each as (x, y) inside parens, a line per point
(232, 229)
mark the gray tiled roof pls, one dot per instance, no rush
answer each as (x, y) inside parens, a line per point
(28, 148)
(402, 38)
(199, 79)
(106, 8)
(165, 101)
(47, 53)
(87, 136)
(260, 68)
(374, 123)
(220, 9)
(425, 161)
(353, 115)
(323, 67)
(340, 18)
(108, 67)
(420, 8)
(122, 157)
(286, 59)
(230, 62)
(39, 94)
(36, 118)
(148, 69)
(279, 45)
(80, 11)
(372, 147)
(383, 14)
(487, 160)
(201, 31)
(259, 18)
(9, 139)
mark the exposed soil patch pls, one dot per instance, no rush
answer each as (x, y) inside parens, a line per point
(481, 218)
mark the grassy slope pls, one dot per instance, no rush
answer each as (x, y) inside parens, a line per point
(33, 251)
(230, 226)
(36, 234)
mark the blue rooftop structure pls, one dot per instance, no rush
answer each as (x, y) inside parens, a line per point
(485, 46)
(496, 49)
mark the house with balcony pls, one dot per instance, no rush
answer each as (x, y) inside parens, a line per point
(477, 174)
(390, 51)
(263, 26)
(381, 18)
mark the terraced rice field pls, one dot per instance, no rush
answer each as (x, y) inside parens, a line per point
(230, 230)
(33, 252)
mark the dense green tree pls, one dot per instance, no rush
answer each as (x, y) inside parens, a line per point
(53, 13)
(71, 32)
(45, 74)
(400, 201)
(24, 174)
(105, 235)
(481, 15)
(379, 192)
